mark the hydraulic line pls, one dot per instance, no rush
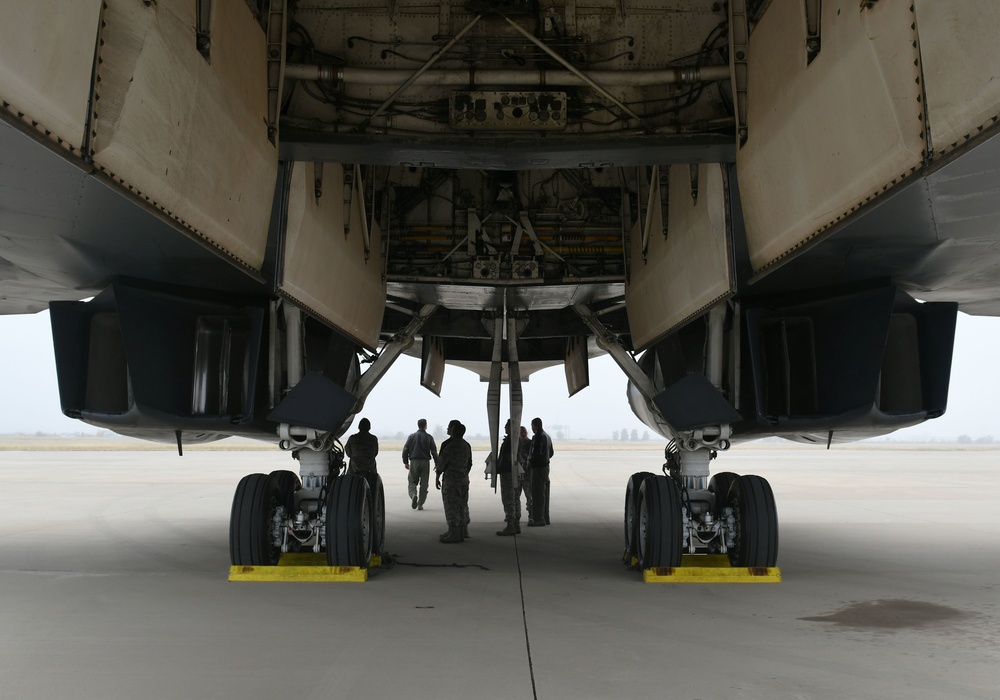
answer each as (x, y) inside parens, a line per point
(522, 77)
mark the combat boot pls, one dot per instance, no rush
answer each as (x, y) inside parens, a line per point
(453, 535)
(509, 530)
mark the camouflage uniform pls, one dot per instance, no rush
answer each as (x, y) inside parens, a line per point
(522, 459)
(510, 487)
(454, 463)
(538, 470)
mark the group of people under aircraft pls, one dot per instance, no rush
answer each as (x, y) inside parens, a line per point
(527, 472)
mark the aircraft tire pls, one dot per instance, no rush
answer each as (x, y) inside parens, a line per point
(377, 514)
(720, 485)
(236, 540)
(257, 497)
(349, 522)
(288, 483)
(631, 511)
(659, 523)
(757, 518)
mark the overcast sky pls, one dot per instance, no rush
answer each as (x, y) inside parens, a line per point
(31, 400)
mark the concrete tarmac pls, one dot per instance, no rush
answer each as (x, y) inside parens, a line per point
(113, 584)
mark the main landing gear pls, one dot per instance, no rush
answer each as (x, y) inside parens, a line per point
(319, 509)
(679, 513)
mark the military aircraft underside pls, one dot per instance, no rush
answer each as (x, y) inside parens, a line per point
(768, 212)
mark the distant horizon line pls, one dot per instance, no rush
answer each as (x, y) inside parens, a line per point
(652, 438)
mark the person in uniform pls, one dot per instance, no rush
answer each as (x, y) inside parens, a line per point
(417, 454)
(538, 467)
(451, 426)
(361, 449)
(453, 466)
(523, 450)
(510, 487)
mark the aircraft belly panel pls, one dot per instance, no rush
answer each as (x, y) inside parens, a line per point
(515, 153)
(828, 136)
(188, 136)
(935, 236)
(687, 271)
(325, 266)
(65, 232)
(536, 297)
(963, 94)
(46, 58)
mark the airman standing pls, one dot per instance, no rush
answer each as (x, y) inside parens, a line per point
(453, 466)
